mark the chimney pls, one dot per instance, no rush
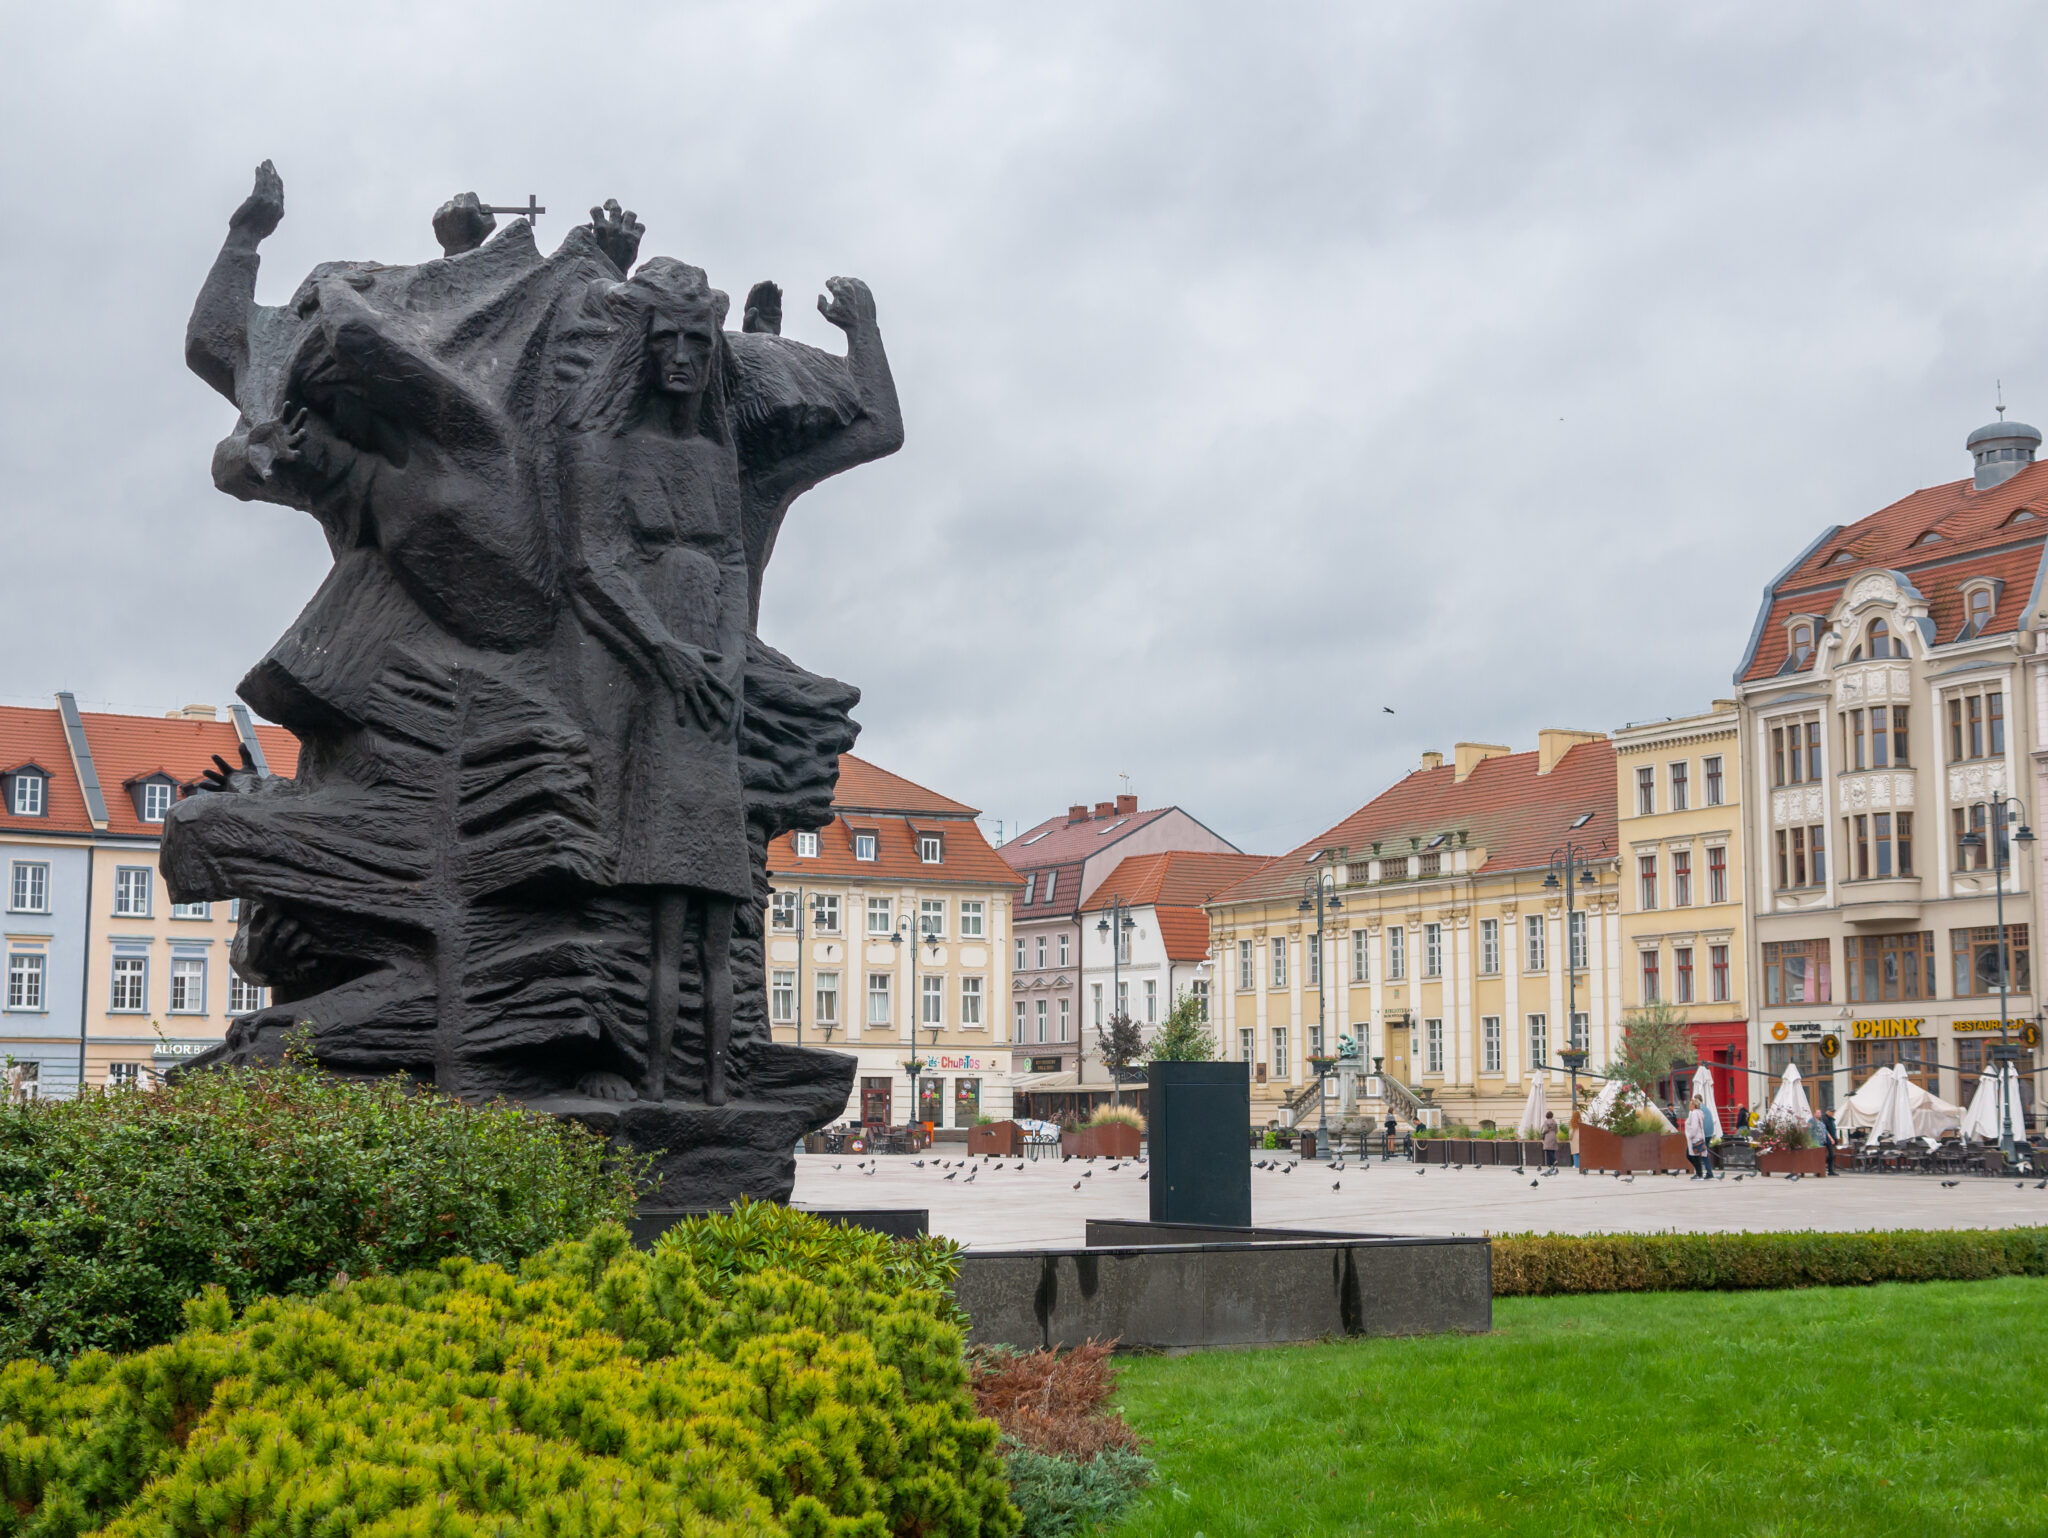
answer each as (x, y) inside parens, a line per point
(1105, 809)
(2001, 449)
(192, 713)
(1126, 805)
(1553, 742)
(1470, 755)
(1432, 759)
(1078, 812)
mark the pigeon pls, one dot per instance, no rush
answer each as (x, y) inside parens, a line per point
(2019, 1185)
(1422, 1172)
(1947, 1184)
(869, 1170)
(1114, 1168)
(1628, 1180)
(953, 1175)
(1077, 1185)
(1065, 1157)
(970, 1178)
(1020, 1169)
(1532, 1184)
(1457, 1166)
(1518, 1168)
(1087, 1174)
(1795, 1175)
(835, 1166)
(1288, 1171)
(1739, 1179)
(920, 1164)
(2041, 1184)
(1336, 1185)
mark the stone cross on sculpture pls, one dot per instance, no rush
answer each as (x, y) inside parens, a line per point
(544, 750)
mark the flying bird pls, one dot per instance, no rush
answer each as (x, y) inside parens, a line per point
(1388, 709)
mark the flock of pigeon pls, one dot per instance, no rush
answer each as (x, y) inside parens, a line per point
(994, 1166)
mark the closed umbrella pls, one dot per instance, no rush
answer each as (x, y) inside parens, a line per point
(1791, 1096)
(1981, 1120)
(1895, 1108)
(1703, 1092)
(1533, 1110)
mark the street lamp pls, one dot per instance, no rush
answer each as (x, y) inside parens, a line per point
(1566, 864)
(1117, 921)
(912, 1065)
(1319, 896)
(2010, 809)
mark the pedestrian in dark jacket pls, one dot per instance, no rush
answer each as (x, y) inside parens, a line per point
(1550, 1139)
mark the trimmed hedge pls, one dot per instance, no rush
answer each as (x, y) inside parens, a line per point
(1543, 1265)
(764, 1373)
(115, 1208)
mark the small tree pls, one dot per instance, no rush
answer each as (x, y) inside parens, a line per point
(1185, 1037)
(1653, 1038)
(1119, 1043)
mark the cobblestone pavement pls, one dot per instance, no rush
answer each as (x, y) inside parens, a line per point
(1003, 1206)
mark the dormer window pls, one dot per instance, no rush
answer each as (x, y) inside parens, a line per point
(1802, 643)
(807, 845)
(864, 846)
(1929, 538)
(1980, 602)
(1843, 558)
(28, 793)
(931, 849)
(2024, 515)
(1881, 644)
(153, 799)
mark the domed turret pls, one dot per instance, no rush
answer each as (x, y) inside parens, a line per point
(2001, 450)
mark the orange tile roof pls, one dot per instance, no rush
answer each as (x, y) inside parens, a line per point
(1185, 932)
(34, 736)
(1504, 806)
(1976, 539)
(895, 810)
(128, 748)
(1179, 877)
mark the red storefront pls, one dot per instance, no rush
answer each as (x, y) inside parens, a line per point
(1723, 1045)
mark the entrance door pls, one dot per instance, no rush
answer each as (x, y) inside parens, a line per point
(874, 1101)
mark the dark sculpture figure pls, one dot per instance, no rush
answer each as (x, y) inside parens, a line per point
(543, 749)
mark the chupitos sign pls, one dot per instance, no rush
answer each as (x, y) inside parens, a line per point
(1873, 1030)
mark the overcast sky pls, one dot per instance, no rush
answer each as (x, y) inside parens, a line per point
(1261, 366)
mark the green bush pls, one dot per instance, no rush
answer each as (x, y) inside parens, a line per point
(1063, 1496)
(760, 1374)
(115, 1208)
(1539, 1265)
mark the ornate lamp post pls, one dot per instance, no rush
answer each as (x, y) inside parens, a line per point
(1118, 924)
(1319, 896)
(2009, 810)
(1570, 868)
(912, 1065)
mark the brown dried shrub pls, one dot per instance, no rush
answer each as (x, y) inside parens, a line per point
(1053, 1402)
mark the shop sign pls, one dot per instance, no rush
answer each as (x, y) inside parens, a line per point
(1960, 1026)
(1805, 1030)
(965, 1062)
(180, 1048)
(1871, 1030)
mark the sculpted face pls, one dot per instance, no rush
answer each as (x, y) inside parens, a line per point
(683, 344)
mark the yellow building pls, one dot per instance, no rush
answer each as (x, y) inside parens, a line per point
(888, 938)
(1444, 954)
(1683, 939)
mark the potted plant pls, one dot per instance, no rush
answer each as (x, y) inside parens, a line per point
(1001, 1139)
(1785, 1145)
(1111, 1132)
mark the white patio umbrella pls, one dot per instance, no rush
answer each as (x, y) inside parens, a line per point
(1895, 1107)
(1997, 1093)
(1703, 1091)
(1931, 1114)
(1791, 1096)
(1533, 1110)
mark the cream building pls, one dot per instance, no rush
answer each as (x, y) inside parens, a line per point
(1893, 701)
(1446, 956)
(1683, 939)
(888, 938)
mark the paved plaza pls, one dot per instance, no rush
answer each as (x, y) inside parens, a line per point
(1048, 1202)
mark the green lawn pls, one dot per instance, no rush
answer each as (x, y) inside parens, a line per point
(1860, 1412)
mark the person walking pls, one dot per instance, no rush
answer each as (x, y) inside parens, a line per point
(1550, 1140)
(1387, 1147)
(1696, 1140)
(1824, 1133)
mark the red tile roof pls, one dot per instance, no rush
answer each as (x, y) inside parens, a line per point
(1185, 932)
(1056, 841)
(1976, 538)
(1175, 884)
(124, 749)
(895, 810)
(1053, 904)
(1504, 806)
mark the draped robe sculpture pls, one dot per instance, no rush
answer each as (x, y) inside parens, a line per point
(543, 749)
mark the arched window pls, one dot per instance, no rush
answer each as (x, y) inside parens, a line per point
(1802, 644)
(1980, 605)
(1881, 642)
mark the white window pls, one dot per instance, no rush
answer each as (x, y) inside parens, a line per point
(1681, 791)
(934, 992)
(1280, 1058)
(1539, 1041)
(1279, 977)
(191, 910)
(1489, 946)
(1199, 991)
(1052, 880)
(1151, 1002)
(28, 795)
(1244, 1045)
(1041, 952)
(1534, 951)
(879, 1010)
(24, 980)
(1646, 791)
(1030, 886)
(864, 846)
(29, 891)
(1041, 1019)
(807, 845)
(244, 998)
(1245, 980)
(188, 985)
(824, 914)
(1123, 940)
(931, 915)
(1579, 1031)
(1710, 769)
(1063, 947)
(1489, 1043)
(826, 998)
(1066, 1019)
(1433, 1045)
(973, 925)
(1123, 999)
(1432, 950)
(1397, 953)
(1578, 934)
(1020, 1021)
(782, 912)
(1021, 963)
(131, 891)
(124, 1075)
(931, 849)
(1097, 988)
(1361, 957)
(156, 801)
(881, 915)
(970, 1002)
(782, 997)
(131, 985)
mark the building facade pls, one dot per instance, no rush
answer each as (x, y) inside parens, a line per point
(1895, 731)
(1683, 939)
(1446, 957)
(1060, 863)
(109, 982)
(888, 938)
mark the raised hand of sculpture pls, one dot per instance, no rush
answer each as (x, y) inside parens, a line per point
(543, 750)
